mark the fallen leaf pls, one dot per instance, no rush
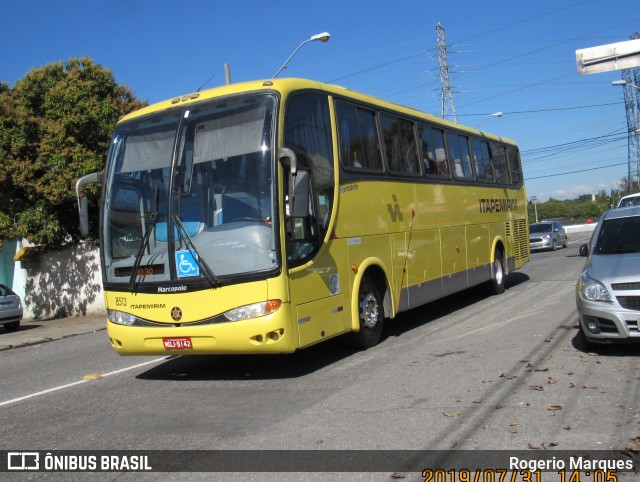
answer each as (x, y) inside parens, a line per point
(569, 373)
(451, 414)
(534, 447)
(567, 427)
(635, 440)
(548, 357)
(512, 429)
(571, 385)
(538, 388)
(550, 444)
(508, 376)
(554, 407)
(551, 380)
(499, 406)
(548, 340)
(396, 475)
(542, 369)
(92, 376)
(588, 386)
(477, 401)
(453, 444)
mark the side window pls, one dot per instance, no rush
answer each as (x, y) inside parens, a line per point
(482, 159)
(460, 156)
(434, 155)
(500, 166)
(358, 138)
(514, 164)
(400, 145)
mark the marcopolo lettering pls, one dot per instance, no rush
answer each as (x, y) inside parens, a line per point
(497, 205)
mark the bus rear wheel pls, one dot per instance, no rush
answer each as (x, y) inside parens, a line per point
(496, 284)
(371, 315)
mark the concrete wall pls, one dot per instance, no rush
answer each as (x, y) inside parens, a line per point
(56, 283)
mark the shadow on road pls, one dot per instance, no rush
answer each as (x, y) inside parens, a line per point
(580, 343)
(309, 360)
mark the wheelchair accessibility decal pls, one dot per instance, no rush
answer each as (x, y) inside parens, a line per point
(186, 264)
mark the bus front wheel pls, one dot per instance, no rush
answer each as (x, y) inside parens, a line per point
(371, 315)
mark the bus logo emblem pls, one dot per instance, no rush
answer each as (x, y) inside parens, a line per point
(394, 210)
(176, 313)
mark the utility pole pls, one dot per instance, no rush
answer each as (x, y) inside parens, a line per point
(447, 98)
(632, 106)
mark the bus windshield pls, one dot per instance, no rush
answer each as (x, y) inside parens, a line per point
(189, 194)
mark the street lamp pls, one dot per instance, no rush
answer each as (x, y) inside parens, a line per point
(534, 201)
(623, 83)
(495, 114)
(323, 37)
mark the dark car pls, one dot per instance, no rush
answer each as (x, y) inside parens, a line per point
(10, 308)
(547, 235)
(608, 290)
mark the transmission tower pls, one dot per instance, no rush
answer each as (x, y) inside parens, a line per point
(632, 105)
(447, 98)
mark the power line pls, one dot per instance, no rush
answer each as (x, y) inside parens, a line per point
(513, 112)
(575, 172)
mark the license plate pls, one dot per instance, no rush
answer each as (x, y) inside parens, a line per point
(183, 343)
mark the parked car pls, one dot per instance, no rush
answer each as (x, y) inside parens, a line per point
(547, 235)
(10, 308)
(608, 290)
(629, 200)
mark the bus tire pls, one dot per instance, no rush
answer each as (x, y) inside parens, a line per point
(496, 284)
(371, 315)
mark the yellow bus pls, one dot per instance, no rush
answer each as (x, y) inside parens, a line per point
(268, 216)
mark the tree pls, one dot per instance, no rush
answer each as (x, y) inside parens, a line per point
(55, 126)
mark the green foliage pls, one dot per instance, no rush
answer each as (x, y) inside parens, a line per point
(576, 210)
(55, 126)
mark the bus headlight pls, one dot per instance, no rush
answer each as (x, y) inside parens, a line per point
(254, 310)
(121, 318)
(592, 290)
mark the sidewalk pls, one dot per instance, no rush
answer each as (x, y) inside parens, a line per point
(33, 331)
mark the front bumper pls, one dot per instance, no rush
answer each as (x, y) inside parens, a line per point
(607, 322)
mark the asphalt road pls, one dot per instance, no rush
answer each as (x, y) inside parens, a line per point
(468, 372)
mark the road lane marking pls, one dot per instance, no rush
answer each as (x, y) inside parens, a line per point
(79, 382)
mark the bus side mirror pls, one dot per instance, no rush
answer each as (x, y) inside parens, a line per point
(83, 209)
(299, 195)
(584, 250)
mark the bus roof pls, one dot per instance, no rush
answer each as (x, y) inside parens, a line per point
(286, 85)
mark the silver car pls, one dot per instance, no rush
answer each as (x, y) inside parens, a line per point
(547, 235)
(10, 308)
(608, 290)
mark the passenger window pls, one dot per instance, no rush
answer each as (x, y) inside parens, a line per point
(460, 156)
(482, 159)
(400, 145)
(514, 164)
(358, 138)
(500, 167)
(434, 155)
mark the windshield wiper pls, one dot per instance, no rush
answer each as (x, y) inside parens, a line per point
(213, 280)
(143, 246)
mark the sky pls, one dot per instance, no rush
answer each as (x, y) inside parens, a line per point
(518, 58)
